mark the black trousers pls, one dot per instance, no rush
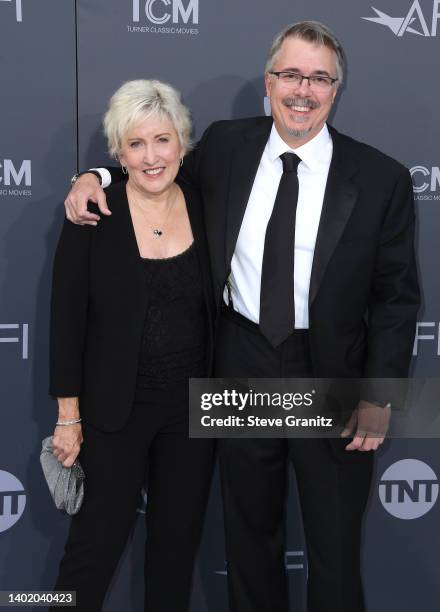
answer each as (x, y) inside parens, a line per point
(333, 488)
(155, 440)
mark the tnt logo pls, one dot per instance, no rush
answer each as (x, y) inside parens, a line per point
(414, 22)
(16, 174)
(22, 337)
(12, 500)
(18, 11)
(160, 12)
(408, 489)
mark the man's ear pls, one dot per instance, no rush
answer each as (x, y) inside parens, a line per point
(267, 83)
(335, 92)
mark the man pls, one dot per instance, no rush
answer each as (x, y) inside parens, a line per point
(311, 241)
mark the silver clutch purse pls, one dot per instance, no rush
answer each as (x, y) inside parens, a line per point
(66, 485)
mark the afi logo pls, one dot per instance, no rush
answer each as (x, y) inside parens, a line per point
(18, 174)
(18, 11)
(408, 489)
(22, 339)
(425, 178)
(12, 500)
(433, 337)
(414, 22)
(161, 11)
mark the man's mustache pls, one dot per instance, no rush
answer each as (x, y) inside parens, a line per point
(296, 101)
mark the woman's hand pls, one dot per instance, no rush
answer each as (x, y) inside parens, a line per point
(67, 440)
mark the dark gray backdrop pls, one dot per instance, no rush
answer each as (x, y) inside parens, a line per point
(60, 62)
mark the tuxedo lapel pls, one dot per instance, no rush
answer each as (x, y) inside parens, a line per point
(244, 165)
(339, 199)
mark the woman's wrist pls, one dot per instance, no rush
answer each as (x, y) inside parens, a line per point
(65, 423)
(68, 409)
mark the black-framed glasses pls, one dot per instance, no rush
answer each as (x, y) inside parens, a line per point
(294, 79)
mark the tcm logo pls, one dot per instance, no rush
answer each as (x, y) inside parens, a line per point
(160, 12)
(293, 560)
(18, 11)
(16, 173)
(408, 489)
(20, 336)
(414, 22)
(12, 500)
(426, 181)
(427, 331)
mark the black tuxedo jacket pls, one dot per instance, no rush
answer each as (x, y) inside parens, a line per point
(98, 310)
(364, 293)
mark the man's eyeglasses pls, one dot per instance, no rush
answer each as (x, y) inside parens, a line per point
(294, 79)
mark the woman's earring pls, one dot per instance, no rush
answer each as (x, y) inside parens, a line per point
(124, 169)
(181, 161)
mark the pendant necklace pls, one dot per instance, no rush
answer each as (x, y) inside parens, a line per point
(158, 231)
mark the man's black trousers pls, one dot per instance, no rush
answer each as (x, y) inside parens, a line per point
(333, 487)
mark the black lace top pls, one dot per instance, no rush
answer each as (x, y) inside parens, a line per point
(174, 335)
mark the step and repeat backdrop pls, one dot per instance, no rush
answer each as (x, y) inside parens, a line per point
(59, 64)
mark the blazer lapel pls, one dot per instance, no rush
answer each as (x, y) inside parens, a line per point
(122, 238)
(339, 199)
(244, 165)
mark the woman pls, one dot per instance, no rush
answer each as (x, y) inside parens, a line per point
(131, 315)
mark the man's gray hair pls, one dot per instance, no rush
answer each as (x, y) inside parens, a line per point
(311, 31)
(137, 100)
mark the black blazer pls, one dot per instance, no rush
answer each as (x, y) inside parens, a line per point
(98, 310)
(364, 293)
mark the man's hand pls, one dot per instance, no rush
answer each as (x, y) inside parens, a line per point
(67, 440)
(370, 424)
(86, 188)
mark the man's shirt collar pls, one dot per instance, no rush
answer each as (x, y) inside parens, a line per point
(313, 153)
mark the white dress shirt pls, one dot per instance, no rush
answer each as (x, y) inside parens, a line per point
(245, 277)
(106, 177)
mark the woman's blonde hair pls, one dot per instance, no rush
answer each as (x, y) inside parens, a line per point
(137, 100)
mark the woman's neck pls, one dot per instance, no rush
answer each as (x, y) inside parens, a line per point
(148, 201)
